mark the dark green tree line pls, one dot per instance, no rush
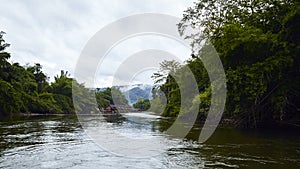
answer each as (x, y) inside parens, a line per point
(27, 89)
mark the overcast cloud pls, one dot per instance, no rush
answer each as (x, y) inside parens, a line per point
(53, 32)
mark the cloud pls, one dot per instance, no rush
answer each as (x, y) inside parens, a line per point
(53, 32)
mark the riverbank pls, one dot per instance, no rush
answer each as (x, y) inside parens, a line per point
(224, 122)
(24, 116)
(295, 125)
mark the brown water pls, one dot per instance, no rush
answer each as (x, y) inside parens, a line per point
(60, 142)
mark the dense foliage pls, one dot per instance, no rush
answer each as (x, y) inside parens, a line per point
(142, 104)
(110, 96)
(258, 43)
(27, 89)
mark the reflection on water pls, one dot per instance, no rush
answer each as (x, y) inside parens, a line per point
(60, 142)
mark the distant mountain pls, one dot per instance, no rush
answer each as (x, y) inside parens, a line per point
(133, 92)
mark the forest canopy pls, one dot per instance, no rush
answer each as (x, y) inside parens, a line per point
(26, 89)
(258, 43)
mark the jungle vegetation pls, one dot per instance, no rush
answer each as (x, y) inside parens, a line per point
(258, 43)
(26, 89)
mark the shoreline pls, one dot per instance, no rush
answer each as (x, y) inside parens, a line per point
(224, 122)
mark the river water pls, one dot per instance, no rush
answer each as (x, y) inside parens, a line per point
(60, 142)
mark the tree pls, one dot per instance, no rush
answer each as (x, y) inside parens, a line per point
(40, 78)
(110, 96)
(166, 69)
(4, 56)
(142, 104)
(158, 101)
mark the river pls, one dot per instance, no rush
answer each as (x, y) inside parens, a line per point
(60, 142)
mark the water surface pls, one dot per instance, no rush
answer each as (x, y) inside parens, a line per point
(60, 142)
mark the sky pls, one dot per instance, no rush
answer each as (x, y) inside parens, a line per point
(54, 32)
